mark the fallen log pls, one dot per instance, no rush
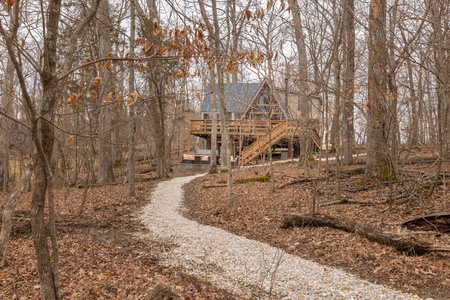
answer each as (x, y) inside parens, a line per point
(439, 222)
(301, 180)
(147, 170)
(371, 233)
(263, 178)
(367, 202)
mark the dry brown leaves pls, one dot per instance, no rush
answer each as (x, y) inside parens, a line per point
(101, 257)
(257, 214)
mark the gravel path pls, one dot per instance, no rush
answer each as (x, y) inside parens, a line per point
(244, 266)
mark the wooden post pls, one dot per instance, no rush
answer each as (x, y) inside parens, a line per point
(290, 150)
(189, 138)
(182, 128)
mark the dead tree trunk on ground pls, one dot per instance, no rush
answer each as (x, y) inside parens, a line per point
(371, 233)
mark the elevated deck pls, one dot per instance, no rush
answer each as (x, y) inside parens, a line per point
(253, 128)
(203, 128)
(258, 133)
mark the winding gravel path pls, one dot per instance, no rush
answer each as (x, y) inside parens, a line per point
(242, 266)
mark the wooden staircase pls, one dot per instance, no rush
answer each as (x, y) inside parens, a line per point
(284, 129)
(265, 141)
(259, 130)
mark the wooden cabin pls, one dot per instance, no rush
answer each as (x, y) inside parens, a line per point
(260, 116)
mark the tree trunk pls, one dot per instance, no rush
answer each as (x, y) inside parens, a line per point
(378, 165)
(442, 77)
(105, 159)
(9, 210)
(393, 91)
(414, 120)
(212, 81)
(348, 141)
(441, 39)
(303, 103)
(226, 160)
(161, 143)
(132, 128)
(7, 108)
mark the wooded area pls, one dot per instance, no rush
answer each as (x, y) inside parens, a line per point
(92, 89)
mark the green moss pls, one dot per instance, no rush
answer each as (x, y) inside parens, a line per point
(213, 169)
(388, 176)
(117, 164)
(263, 178)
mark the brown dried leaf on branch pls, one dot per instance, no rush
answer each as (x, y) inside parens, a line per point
(70, 140)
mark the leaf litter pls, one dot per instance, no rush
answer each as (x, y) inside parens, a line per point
(257, 214)
(101, 254)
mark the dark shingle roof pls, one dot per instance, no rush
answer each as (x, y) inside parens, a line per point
(237, 97)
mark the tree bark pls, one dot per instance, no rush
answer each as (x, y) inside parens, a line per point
(348, 141)
(212, 83)
(132, 117)
(303, 79)
(378, 165)
(9, 210)
(414, 120)
(214, 32)
(7, 108)
(105, 159)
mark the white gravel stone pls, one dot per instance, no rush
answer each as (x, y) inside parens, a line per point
(241, 265)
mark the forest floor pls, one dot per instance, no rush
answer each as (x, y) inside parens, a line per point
(102, 252)
(257, 213)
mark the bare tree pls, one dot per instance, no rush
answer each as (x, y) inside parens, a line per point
(214, 32)
(41, 117)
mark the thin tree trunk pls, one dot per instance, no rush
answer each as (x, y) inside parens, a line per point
(414, 121)
(105, 160)
(337, 101)
(9, 210)
(442, 92)
(132, 117)
(7, 108)
(212, 80)
(348, 142)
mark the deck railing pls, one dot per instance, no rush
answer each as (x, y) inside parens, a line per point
(248, 127)
(235, 127)
(259, 129)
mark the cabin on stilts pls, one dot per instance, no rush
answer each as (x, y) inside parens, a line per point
(260, 116)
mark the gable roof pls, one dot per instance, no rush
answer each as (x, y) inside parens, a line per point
(276, 98)
(237, 97)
